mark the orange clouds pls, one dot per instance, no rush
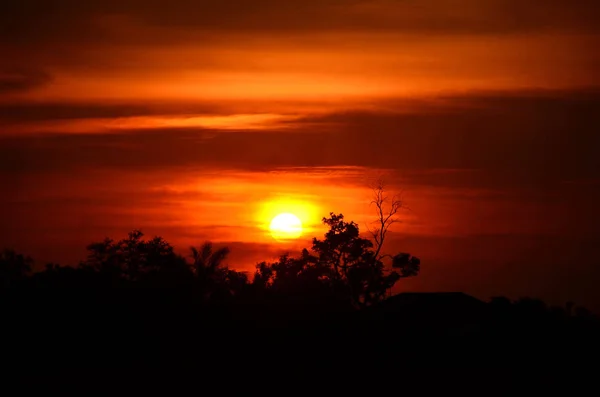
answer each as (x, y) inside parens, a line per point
(344, 67)
(117, 124)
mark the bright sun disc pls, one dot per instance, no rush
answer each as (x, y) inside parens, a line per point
(286, 227)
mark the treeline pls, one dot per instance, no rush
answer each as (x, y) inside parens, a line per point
(343, 267)
(136, 303)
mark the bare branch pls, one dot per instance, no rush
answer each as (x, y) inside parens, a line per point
(386, 210)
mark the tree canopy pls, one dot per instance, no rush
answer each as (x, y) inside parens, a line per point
(342, 266)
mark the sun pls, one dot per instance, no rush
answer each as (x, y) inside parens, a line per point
(286, 226)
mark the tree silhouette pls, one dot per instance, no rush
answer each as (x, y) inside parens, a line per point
(214, 277)
(135, 259)
(207, 263)
(297, 308)
(343, 261)
(14, 267)
(342, 247)
(386, 210)
(407, 265)
(263, 276)
(354, 262)
(303, 277)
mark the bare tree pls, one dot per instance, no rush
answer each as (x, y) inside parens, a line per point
(386, 210)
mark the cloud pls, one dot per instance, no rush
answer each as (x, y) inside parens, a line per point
(21, 79)
(11, 112)
(584, 182)
(270, 49)
(95, 20)
(525, 140)
(234, 122)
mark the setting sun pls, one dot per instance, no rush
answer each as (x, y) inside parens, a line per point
(286, 227)
(287, 217)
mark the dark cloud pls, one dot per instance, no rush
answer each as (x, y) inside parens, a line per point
(15, 112)
(28, 22)
(515, 140)
(18, 111)
(21, 79)
(52, 111)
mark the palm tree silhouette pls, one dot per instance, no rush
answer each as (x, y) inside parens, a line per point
(208, 262)
(208, 267)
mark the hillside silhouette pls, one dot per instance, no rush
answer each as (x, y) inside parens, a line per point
(137, 305)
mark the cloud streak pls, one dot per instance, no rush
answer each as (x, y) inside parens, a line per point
(515, 139)
(97, 20)
(17, 80)
(249, 50)
(235, 122)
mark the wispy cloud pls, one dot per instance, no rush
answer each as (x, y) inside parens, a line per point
(235, 122)
(21, 79)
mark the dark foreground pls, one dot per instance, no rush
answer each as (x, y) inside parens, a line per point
(427, 341)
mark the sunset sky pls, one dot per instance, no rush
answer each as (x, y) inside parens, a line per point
(201, 120)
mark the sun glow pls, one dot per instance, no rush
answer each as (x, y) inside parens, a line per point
(287, 219)
(286, 226)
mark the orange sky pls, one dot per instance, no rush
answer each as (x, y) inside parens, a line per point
(349, 66)
(203, 119)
